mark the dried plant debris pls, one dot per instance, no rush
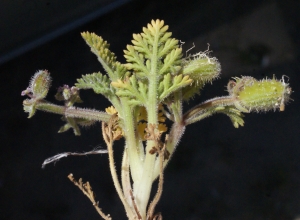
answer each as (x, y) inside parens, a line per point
(65, 154)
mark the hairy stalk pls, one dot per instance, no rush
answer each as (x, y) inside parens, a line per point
(108, 137)
(73, 112)
(191, 116)
(175, 135)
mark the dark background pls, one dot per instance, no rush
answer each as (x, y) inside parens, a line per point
(218, 172)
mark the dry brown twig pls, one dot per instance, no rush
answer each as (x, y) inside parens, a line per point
(157, 196)
(135, 206)
(87, 190)
(157, 216)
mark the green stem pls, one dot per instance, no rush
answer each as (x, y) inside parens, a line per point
(73, 112)
(175, 133)
(209, 104)
(133, 149)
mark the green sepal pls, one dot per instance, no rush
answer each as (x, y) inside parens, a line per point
(73, 123)
(29, 106)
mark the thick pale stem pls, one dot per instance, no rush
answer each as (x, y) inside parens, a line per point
(131, 143)
(143, 190)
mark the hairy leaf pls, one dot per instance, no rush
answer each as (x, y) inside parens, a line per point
(96, 81)
(170, 84)
(153, 46)
(135, 89)
(100, 48)
(235, 115)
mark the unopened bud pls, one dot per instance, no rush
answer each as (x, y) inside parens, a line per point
(40, 84)
(261, 95)
(202, 68)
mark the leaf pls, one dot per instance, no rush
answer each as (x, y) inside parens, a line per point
(168, 45)
(170, 84)
(100, 48)
(234, 114)
(135, 89)
(172, 62)
(153, 51)
(141, 44)
(70, 123)
(189, 92)
(73, 123)
(136, 61)
(96, 81)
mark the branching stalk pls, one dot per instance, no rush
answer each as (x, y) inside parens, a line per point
(87, 190)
